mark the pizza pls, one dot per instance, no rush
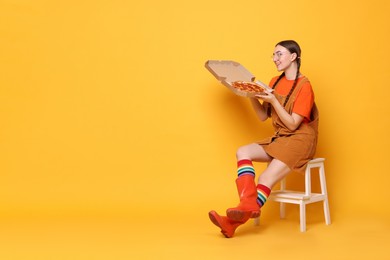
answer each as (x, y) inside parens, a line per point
(250, 88)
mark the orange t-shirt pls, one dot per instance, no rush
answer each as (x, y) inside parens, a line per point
(305, 97)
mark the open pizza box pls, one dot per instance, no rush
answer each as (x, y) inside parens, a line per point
(230, 72)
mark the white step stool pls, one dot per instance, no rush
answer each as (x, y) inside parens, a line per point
(302, 198)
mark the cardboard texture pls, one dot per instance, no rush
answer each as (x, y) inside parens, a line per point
(227, 72)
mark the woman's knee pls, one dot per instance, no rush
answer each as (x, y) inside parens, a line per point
(243, 152)
(250, 151)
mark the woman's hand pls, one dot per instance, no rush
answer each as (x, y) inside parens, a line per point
(267, 96)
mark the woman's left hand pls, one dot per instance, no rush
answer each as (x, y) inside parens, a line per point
(267, 96)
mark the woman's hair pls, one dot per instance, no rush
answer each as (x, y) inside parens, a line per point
(292, 47)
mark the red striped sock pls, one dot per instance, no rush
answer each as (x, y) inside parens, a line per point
(245, 167)
(262, 194)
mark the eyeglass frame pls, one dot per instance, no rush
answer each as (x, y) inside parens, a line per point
(278, 54)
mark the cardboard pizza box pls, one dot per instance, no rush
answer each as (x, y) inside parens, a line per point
(228, 71)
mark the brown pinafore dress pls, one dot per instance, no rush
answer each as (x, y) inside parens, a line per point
(294, 148)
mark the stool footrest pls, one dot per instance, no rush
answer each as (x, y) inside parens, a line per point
(296, 195)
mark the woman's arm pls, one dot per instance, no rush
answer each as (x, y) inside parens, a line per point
(292, 121)
(260, 111)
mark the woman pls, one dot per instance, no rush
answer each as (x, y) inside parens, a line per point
(294, 116)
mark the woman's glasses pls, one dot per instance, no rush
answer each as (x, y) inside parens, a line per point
(277, 55)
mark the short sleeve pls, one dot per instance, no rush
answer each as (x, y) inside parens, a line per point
(304, 101)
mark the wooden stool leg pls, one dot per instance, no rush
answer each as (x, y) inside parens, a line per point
(326, 211)
(325, 193)
(302, 213)
(282, 210)
(282, 205)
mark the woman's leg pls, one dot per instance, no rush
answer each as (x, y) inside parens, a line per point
(276, 169)
(252, 196)
(247, 188)
(245, 182)
(275, 172)
(253, 152)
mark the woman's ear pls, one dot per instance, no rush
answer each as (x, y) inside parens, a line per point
(293, 56)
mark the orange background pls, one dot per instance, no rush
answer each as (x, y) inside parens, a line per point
(108, 112)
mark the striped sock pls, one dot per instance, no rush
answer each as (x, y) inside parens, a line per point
(245, 167)
(262, 194)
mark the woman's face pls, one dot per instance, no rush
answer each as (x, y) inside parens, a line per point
(282, 58)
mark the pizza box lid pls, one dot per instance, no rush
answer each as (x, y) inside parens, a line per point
(228, 71)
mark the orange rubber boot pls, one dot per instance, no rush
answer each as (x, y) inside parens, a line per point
(248, 207)
(227, 226)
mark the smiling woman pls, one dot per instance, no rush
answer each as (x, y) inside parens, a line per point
(295, 119)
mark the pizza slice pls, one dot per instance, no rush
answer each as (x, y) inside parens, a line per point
(249, 88)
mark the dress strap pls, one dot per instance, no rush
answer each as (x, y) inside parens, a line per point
(295, 92)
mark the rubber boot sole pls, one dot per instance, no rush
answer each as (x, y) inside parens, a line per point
(241, 215)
